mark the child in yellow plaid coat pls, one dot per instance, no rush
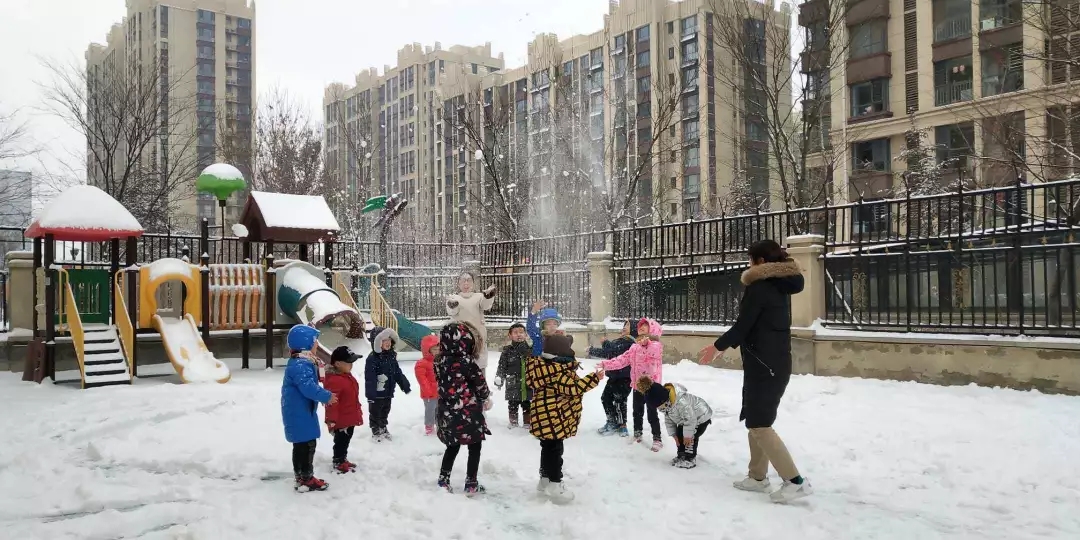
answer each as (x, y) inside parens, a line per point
(556, 408)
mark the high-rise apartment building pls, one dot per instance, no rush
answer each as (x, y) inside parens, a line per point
(992, 88)
(633, 113)
(204, 55)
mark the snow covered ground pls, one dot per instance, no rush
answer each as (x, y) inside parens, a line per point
(888, 460)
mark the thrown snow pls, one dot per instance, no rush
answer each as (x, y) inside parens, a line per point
(224, 171)
(295, 211)
(478, 155)
(86, 207)
(888, 460)
(198, 365)
(239, 230)
(168, 267)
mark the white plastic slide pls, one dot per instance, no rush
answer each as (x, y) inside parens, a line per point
(187, 352)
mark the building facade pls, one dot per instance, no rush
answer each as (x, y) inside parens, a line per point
(204, 54)
(630, 124)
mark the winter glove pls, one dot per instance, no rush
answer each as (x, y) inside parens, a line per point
(489, 292)
(487, 404)
(498, 382)
(452, 303)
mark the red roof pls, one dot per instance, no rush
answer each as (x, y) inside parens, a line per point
(78, 235)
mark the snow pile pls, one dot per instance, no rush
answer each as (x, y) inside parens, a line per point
(888, 460)
(86, 207)
(295, 211)
(165, 268)
(196, 364)
(239, 230)
(224, 171)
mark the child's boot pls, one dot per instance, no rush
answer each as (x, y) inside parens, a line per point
(311, 484)
(343, 467)
(657, 444)
(513, 423)
(557, 492)
(472, 487)
(444, 482)
(687, 462)
(636, 438)
(608, 429)
(623, 432)
(429, 430)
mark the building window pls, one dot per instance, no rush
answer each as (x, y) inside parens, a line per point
(871, 216)
(644, 84)
(690, 105)
(597, 57)
(620, 43)
(690, 78)
(952, 19)
(690, 52)
(688, 26)
(690, 132)
(1003, 70)
(692, 185)
(868, 38)
(871, 155)
(671, 27)
(755, 131)
(691, 157)
(869, 97)
(643, 59)
(955, 143)
(164, 21)
(952, 81)
(671, 53)
(998, 13)
(643, 34)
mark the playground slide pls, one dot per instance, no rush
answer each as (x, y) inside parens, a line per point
(187, 352)
(304, 297)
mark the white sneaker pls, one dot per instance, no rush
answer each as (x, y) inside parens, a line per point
(790, 492)
(749, 484)
(542, 485)
(558, 493)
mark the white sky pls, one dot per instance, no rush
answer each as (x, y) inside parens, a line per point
(301, 45)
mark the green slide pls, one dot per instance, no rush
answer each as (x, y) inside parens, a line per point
(409, 331)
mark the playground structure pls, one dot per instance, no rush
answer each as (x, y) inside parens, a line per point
(184, 303)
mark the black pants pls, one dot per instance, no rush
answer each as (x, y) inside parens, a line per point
(379, 415)
(639, 410)
(692, 450)
(342, 437)
(513, 406)
(471, 467)
(303, 459)
(614, 399)
(551, 460)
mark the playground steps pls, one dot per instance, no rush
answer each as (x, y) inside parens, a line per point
(104, 363)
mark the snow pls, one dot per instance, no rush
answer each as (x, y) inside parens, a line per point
(363, 144)
(86, 207)
(888, 460)
(224, 171)
(322, 303)
(295, 211)
(823, 331)
(187, 350)
(168, 267)
(478, 155)
(239, 230)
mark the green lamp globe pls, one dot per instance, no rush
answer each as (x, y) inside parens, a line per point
(220, 180)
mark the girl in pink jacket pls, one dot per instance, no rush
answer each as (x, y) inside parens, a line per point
(645, 357)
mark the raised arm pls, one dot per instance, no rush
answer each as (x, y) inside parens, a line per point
(622, 360)
(572, 385)
(532, 327)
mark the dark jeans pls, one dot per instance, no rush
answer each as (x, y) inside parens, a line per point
(692, 450)
(303, 459)
(639, 410)
(513, 406)
(551, 460)
(342, 437)
(471, 467)
(614, 399)
(379, 415)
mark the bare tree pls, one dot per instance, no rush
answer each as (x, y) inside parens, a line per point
(15, 192)
(139, 123)
(352, 148)
(288, 151)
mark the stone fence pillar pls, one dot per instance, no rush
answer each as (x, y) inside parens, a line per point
(809, 305)
(20, 289)
(601, 289)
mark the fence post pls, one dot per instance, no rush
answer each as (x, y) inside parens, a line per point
(204, 291)
(270, 294)
(601, 290)
(21, 311)
(809, 305)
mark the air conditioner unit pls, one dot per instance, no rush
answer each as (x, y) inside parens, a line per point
(990, 24)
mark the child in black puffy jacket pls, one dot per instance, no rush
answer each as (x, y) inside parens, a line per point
(617, 390)
(381, 374)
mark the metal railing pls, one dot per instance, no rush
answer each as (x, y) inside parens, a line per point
(953, 92)
(952, 28)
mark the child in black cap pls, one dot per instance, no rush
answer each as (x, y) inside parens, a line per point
(685, 416)
(344, 415)
(511, 372)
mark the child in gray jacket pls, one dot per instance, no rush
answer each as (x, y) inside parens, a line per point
(685, 416)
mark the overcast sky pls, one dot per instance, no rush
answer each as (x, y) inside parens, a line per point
(301, 45)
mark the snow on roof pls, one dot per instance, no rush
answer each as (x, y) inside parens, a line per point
(86, 207)
(224, 171)
(295, 211)
(168, 267)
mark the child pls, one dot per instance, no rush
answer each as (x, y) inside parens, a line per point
(542, 322)
(556, 408)
(381, 373)
(685, 415)
(425, 375)
(343, 416)
(463, 398)
(645, 357)
(512, 372)
(617, 389)
(300, 398)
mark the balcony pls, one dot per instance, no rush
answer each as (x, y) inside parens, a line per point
(953, 92)
(952, 28)
(992, 17)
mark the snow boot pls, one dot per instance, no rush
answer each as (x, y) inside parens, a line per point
(657, 444)
(687, 462)
(557, 492)
(608, 429)
(526, 426)
(472, 487)
(749, 484)
(429, 430)
(679, 457)
(513, 424)
(542, 485)
(310, 484)
(344, 467)
(791, 491)
(636, 438)
(623, 432)
(386, 436)
(444, 483)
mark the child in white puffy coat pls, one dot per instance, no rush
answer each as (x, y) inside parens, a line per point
(686, 417)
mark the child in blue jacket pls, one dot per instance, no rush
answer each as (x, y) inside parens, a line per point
(300, 398)
(381, 374)
(543, 321)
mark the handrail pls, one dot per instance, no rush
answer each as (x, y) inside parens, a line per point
(381, 314)
(62, 278)
(343, 292)
(124, 328)
(74, 322)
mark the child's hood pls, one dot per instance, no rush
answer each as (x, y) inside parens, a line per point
(654, 327)
(377, 335)
(426, 343)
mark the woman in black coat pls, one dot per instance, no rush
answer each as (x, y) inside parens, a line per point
(763, 334)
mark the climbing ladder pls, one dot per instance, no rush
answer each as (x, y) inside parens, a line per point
(101, 358)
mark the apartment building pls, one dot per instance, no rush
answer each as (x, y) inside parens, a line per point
(993, 83)
(637, 102)
(204, 51)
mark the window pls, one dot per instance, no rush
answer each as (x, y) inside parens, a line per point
(690, 131)
(871, 216)
(688, 26)
(671, 53)
(620, 66)
(755, 131)
(644, 137)
(671, 27)
(692, 185)
(644, 84)
(597, 57)
(952, 19)
(690, 106)
(868, 38)
(869, 97)
(690, 78)
(674, 183)
(952, 81)
(620, 43)
(568, 69)
(690, 51)
(871, 155)
(164, 21)
(205, 16)
(998, 13)
(643, 59)
(541, 79)
(643, 34)
(955, 143)
(693, 208)
(817, 35)
(1003, 70)
(691, 157)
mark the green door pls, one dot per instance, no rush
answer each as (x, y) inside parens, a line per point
(91, 290)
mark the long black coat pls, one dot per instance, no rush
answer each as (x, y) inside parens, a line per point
(763, 334)
(462, 392)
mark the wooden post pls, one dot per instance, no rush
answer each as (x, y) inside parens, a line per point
(204, 287)
(132, 299)
(304, 252)
(50, 306)
(271, 298)
(114, 267)
(34, 295)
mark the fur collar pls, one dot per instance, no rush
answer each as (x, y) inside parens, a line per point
(787, 268)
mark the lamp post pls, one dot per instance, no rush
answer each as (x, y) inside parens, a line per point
(221, 180)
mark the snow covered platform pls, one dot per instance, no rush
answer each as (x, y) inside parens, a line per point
(888, 460)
